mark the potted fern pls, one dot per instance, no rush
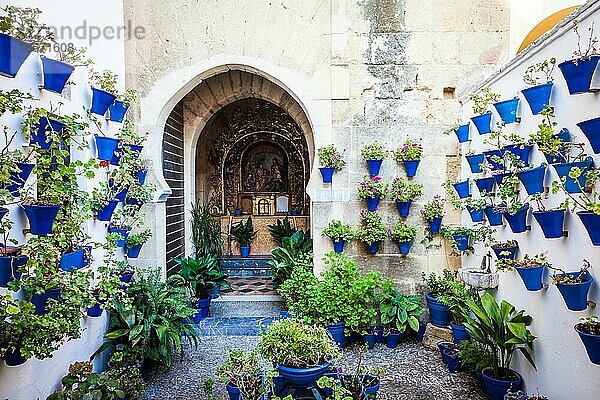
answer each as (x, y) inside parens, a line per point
(243, 233)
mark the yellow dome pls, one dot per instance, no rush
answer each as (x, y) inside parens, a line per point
(544, 26)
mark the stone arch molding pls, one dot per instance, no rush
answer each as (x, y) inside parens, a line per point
(156, 106)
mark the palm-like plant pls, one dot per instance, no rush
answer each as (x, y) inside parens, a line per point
(281, 229)
(456, 297)
(200, 276)
(292, 250)
(206, 232)
(243, 232)
(502, 330)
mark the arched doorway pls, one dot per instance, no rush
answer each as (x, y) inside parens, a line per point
(236, 141)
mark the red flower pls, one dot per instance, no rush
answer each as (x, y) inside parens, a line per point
(104, 163)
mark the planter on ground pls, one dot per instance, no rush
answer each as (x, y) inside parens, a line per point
(202, 307)
(462, 189)
(532, 277)
(517, 221)
(591, 130)
(462, 133)
(403, 208)
(439, 313)
(538, 97)
(507, 110)
(578, 73)
(563, 169)
(483, 122)
(575, 294)
(369, 339)
(551, 222)
(337, 333)
(101, 100)
(302, 377)
(591, 343)
(117, 111)
(41, 218)
(475, 161)
(327, 174)
(496, 388)
(245, 251)
(392, 339)
(374, 167)
(56, 74)
(452, 360)
(459, 332)
(533, 179)
(13, 53)
(591, 222)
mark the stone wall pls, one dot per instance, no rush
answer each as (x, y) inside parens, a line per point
(360, 70)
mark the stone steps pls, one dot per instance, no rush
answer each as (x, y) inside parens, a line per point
(250, 266)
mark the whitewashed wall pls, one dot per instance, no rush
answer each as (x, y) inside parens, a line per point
(563, 369)
(37, 379)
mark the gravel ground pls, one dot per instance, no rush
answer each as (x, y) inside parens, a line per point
(412, 372)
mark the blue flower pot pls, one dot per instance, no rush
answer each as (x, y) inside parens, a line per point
(302, 377)
(404, 247)
(532, 277)
(372, 203)
(508, 110)
(591, 222)
(56, 74)
(245, 251)
(135, 149)
(571, 185)
(411, 168)
(522, 151)
(374, 167)
(579, 75)
(12, 357)
(591, 130)
(327, 174)
(134, 252)
(518, 221)
(392, 340)
(371, 391)
(105, 214)
(475, 161)
(233, 392)
(575, 294)
(551, 222)
(493, 216)
(40, 301)
(591, 343)
(18, 179)
(462, 242)
(126, 277)
(141, 176)
(101, 100)
(538, 97)
(9, 268)
(443, 346)
(403, 208)
(511, 252)
(41, 218)
(485, 185)
(72, 261)
(3, 212)
(462, 189)
(96, 310)
(117, 111)
(496, 388)
(499, 178)
(483, 123)
(489, 158)
(459, 332)
(202, 307)
(215, 292)
(462, 133)
(439, 313)
(533, 179)
(40, 137)
(121, 195)
(337, 333)
(421, 332)
(452, 360)
(338, 245)
(124, 232)
(435, 225)
(370, 341)
(13, 53)
(477, 215)
(379, 336)
(106, 147)
(373, 248)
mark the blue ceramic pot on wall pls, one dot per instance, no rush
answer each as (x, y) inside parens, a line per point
(134, 251)
(462, 189)
(573, 185)
(117, 111)
(40, 301)
(72, 261)
(475, 161)
(462, 133)
(591, 130)
(532, 277)
(477, 215)
(13, 53)
(403, 208)
(522, 151)
(508, 110)
(435, 225)
(491, 157)
(551, 222)
(101, 101)
(372, 203)
(374, 167)
(517, 221)
(485, 185)
(327, 174)
(493, 216)
(9, 268)
(578, 73)
(45, 126)
(404, 247)
(508, 253)
(105, 214)
(338, 245)
(461, 241)
(533, 179)
(483, 123)
(106, 147)
(575, 294)
(41, 218)
(591, 343)
(56, 74)
(18, 179)
(591, 222)
(411, 168)
(538, 97)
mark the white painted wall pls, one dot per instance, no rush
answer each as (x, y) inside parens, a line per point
(563, 368)
(37, 379)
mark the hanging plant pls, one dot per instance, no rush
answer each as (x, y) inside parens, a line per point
(404, 193)
(481, 102)
(433, 212)
(372, 231)
(578, 71)
(539, 77)
(332, 160)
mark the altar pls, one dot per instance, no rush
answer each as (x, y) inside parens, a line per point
(263, 243)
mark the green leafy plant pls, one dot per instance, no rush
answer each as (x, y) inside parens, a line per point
(371, 187)
(281, 229)
(129, 135)
(551, 144)
(206, 232)
(399, 311)
(456, 296)
(295, 344)
(439, 285)
(474, 355)
(372, 229)
(563, 278)
(540, 73)
(293, 250)
(336, 230)
(588, 199)
(200, 276)
(374, 151)
(590, 325)
(482, 100)
(136, 239)
(331, 157)
(81, 383)
(403, 232)
(105, 80)
(410, 151)
(404, 191)
(502, 330)
(434, 208)
(244, 233)
(244, 371)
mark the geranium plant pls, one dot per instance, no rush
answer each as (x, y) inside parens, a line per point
(402, 190)
(410, 151)
(434, 208)
(337, 230)
(372, 230)
(372, 187)
(374, 151)
(403, 232)
(331, 157)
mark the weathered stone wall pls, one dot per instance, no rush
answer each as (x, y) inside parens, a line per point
(361, 70)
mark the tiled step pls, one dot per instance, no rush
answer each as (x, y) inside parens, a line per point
(246, 306)
(250, 266)
(234, 326)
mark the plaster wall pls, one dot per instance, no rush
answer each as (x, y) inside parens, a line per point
(563, 369)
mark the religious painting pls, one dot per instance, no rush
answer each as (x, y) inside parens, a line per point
(265, 169)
